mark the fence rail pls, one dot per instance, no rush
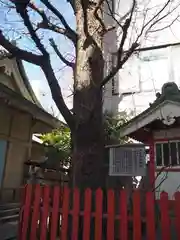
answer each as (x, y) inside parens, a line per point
(55, 213)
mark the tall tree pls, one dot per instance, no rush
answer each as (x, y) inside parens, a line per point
(85, 120)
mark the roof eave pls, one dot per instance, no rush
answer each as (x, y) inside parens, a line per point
(23, 104)
(148, 116)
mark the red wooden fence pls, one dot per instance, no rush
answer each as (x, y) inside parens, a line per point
(54, 213)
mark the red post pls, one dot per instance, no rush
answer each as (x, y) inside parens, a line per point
(26, 211)
(165, 221)
(87, 214)
(150, 216)
(75, 215)
(98, 215)
(55, 212)
(65, 211)
(177, 213)
(110, 214)
(123, 214)
(45, 212)
(152, 162)
(36, 212)
(136, 216)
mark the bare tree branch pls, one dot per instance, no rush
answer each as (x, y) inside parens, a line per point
(153, 18)
(119, 64)
(57, 94)
(125, 28)
(164, 168)
(112, 14)
(46, 67)
(165, 27)
(55, 28)
(19, 53)
(120, 53)
(155, 47)
(98, 6)
(120, 60)
(124, 23)
(153, 21)
(161, 18)
(33, 34)
(62, 19)
(39, 11)
(62, 58)
(46, 24)
(158, 13)
(105, 28)
(71, 2)
(124, 35)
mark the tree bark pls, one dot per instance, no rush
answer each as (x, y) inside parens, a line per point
(88, 146)
(88, 134)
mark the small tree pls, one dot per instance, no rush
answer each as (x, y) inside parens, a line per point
(85, 120)
(60, 139)
(112, 127)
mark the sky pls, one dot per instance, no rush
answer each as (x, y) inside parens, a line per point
(63, 73)
(13, 29)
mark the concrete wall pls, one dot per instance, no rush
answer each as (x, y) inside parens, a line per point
(15, 128)
(37, 152)
(7, 81)
(110, 99)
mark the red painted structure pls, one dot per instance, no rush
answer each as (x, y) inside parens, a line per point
(152, 162)
(153, 169)
(159, 128)
(43, 206)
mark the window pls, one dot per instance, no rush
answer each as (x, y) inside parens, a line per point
(168, 153)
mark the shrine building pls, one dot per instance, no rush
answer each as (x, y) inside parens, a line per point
(159, 128)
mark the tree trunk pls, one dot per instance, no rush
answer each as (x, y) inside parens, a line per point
(88, 135)
(88, 154)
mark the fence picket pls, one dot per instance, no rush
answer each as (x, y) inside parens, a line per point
(110, 215)
(177, 213)
(75, 215)
(26, 211)
(98, 215)
(42, 213)
(136, 216)
(87, 214)
(165, 221)
(36, 212)
(150, 216)
(45, 212)
(65, 210)
(123, 214)
(55, 212)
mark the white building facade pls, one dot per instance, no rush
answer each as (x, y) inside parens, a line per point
(142, 76)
